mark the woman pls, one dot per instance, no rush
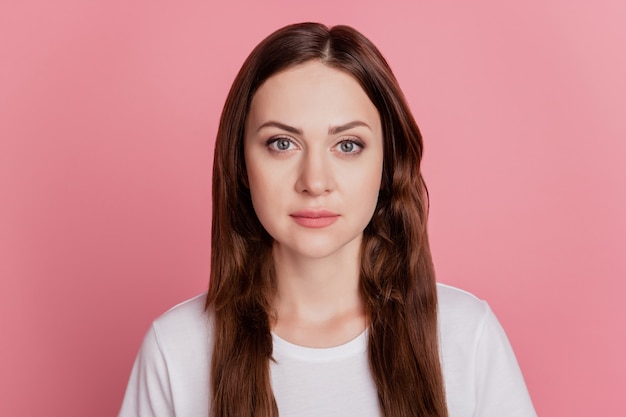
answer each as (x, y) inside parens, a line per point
(322, 297)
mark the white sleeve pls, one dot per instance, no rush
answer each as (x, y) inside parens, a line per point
(148, 393)
(500, 387)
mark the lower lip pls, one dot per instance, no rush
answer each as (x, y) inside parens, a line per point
(315, 222)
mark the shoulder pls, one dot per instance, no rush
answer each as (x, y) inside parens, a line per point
(455, 303)
(186, 312)
(170, 374)
(462, 319)
(481, 373)
(186, 326)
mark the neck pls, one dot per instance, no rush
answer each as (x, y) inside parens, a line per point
(318, 301)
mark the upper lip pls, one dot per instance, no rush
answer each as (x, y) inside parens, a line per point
(314, 214)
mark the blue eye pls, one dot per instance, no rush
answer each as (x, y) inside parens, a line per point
(346, 146)
(350, 146)
(280, 144)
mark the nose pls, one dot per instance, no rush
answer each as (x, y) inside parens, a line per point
(315, 177)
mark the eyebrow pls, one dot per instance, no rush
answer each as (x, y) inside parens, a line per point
(333, 130)
(342, 128)
(281, 126)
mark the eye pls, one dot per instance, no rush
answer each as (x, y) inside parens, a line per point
(281, 144)
(350, 146)
(346, 146)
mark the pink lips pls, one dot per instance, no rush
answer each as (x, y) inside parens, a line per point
(314, 218)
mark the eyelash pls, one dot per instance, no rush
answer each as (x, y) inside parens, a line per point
(271, 145)
(354, 141)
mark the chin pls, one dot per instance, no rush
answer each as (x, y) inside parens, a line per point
(323, 248)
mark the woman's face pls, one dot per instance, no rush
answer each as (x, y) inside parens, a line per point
(314, 156)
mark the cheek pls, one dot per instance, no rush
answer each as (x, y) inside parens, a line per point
(373, 174)
(365, 193)
(369, 198)
(262, 180)
(263, 192)
(261, 207)
(255, 174)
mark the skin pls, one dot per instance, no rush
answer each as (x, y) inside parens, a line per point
(314, 154)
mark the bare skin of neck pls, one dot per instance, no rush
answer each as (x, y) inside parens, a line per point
(318, 303)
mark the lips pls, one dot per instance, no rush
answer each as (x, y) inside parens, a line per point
(314, 219)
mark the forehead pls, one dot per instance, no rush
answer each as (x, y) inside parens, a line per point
(312, 92)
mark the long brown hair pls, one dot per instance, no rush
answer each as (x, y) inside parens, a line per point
(396, 278)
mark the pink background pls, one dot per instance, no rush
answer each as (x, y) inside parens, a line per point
(108, 112)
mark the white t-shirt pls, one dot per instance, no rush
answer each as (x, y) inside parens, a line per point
(481, 375)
